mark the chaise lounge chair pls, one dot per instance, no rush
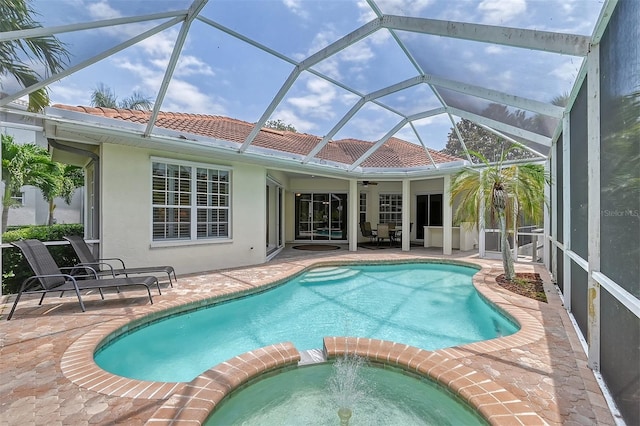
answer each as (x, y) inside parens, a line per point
(50, 278)
(102, 267)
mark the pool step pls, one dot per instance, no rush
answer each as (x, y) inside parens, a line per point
(312, 356)
(328, 274)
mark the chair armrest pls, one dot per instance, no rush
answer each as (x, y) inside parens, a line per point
(25, 283)
(90, 265)
(113, 258)
(93, 274)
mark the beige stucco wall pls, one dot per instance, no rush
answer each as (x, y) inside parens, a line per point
(126, 215)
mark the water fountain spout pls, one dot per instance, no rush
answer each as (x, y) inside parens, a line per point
(345, 415)
(346, 386)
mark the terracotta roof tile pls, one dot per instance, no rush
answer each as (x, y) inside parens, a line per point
(394, 153)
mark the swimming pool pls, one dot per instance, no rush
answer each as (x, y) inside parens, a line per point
(425, 305)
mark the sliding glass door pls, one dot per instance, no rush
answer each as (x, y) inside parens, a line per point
(321, 216)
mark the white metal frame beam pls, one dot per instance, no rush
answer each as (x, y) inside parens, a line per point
(496, 96)
(593, 220)
(513, 141)
(566, 44)
(516, 131)
(91, 61)
(49, 31)
(195, 8)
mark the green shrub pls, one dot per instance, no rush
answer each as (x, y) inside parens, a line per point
(15, 268)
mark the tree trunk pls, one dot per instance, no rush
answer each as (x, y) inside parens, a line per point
(507, 260)
(6, 202)
(52, 207)
(5, 217)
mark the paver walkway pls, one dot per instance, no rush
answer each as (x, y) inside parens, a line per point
(549, 373)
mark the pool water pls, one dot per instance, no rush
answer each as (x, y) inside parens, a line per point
(426, 305)
(302, 397)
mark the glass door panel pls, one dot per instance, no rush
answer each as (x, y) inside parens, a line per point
(303, 216)
(338, 217)
(321, 228)
(321, 217)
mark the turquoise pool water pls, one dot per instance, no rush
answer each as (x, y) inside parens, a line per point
(427, 305)
(303, 397)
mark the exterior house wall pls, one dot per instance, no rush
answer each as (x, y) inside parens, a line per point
(126, 215)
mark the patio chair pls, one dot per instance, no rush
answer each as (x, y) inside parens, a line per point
(365, 229)
(384, 233)
(103, 267)
(50, 278)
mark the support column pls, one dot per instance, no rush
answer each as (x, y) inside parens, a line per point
(353, 214)
(546, 222)
(447, 217)
(566, 209)
(554, 212)
(406, 214)
(481, 236)
(593, 185)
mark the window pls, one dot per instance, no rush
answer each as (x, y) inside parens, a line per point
(391, 209)
(17, 197)
(190, 202)
(363, 207)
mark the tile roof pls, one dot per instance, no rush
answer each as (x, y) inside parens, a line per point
(394, 153)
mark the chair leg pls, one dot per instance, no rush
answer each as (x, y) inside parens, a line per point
(149, 291)
(42, 298)
(13, 308)
(79, 297)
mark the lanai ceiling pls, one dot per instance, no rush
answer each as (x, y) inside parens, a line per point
(367, 70)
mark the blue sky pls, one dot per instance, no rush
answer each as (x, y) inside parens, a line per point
(220, 75)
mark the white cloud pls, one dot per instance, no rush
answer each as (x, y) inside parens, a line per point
(501, 12)
(359, 52)
(319, 100)
(102, 10)
(494, 50)
(568, 71)
(68, 94)
(296, 7)
(403, 7)
(289, 116)
(189, 98)
(477, 67)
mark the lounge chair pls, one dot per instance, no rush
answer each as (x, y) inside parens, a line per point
(103, 267)
(50, 278)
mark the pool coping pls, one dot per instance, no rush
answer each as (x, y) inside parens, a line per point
(78, 365)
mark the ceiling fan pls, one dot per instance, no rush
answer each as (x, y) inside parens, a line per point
(366, 183)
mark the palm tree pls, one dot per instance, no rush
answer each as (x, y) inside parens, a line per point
(67, 179)
(509, 191)
(47, 50)
(27, 164)
(104, 97)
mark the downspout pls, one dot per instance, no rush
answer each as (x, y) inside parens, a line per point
(95, 159)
